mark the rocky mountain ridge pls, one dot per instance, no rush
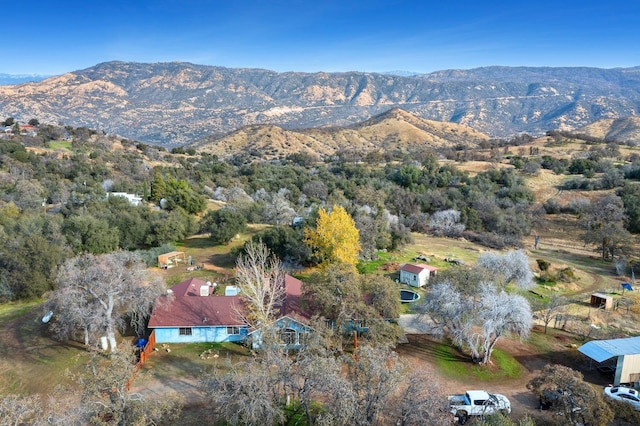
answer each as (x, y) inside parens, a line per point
(177, 103)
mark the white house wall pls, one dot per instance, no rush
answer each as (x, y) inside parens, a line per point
(414, 280)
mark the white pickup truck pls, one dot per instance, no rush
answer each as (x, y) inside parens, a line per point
(477, 403)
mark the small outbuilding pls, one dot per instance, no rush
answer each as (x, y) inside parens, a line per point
(625, 353)
(171, 259)
(416, 275)
(601, 301)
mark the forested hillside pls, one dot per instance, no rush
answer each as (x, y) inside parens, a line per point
(55, 201)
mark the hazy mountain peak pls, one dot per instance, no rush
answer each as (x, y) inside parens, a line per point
(10, 79)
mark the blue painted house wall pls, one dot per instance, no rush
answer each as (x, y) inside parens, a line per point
(285, 323)
(199, 334)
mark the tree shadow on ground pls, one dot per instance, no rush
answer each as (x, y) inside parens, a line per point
(428, 347)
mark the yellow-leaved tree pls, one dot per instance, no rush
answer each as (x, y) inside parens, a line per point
(335, 239)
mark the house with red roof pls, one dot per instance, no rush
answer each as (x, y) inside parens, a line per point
(189, 313)
(417, 275)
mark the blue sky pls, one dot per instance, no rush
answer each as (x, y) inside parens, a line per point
(53, 37)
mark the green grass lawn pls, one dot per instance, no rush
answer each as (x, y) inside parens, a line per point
(11, 310)
(371, 266)
(63, 145)
(458, 367)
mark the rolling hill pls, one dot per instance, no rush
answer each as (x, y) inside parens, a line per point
(625, 130)
(395, 130)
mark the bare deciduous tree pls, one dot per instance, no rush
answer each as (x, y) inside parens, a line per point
(513, 266)
(446, 223)
(604, 222)
(104, 383)
(475, 322)
(501, 314)
(282, 384)
(243, 393)
(421, 402)
(549, 307)
(374, 374)
(94, 292)
(260, 277)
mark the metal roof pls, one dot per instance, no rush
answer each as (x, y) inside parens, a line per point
(602, 350)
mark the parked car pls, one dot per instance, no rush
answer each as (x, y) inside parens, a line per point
(624, 394)
(477, 403)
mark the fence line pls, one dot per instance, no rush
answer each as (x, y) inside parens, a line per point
(144, 355)
(148, 348)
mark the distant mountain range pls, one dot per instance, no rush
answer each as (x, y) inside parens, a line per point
(9, 79)
(178, 103)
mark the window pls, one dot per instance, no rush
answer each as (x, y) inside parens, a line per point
(288, 336)
(233, 330)
(184, 331)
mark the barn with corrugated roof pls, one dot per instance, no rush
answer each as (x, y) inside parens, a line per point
(621, 357)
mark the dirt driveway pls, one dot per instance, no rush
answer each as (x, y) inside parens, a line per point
(421, 354)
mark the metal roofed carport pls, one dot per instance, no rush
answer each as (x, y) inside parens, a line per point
(626, 350)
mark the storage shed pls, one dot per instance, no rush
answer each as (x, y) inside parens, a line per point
(601, 301)
(416, 275)
(169, 260)
(626, 352)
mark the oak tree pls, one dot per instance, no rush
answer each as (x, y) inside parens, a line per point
(570, 396)
(222, 225)
(94, 292)
(476, 321)
(513, 266)
(604, 223)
